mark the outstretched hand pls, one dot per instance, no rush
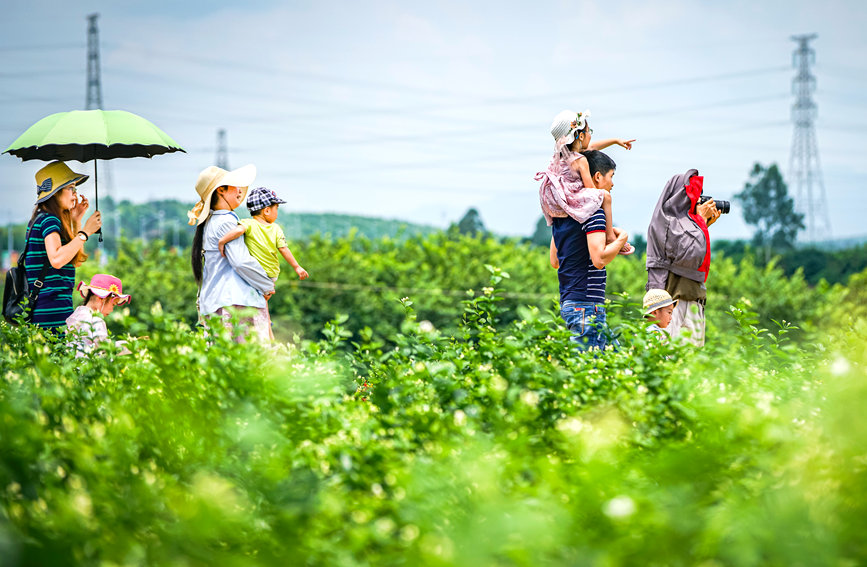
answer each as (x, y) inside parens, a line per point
(624, 143)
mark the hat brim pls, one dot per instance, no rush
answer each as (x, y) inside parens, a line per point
(79, 178)
(665, 303)
(242, 177)
(83, 288)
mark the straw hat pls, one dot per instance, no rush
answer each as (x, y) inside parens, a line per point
(567, 124)
(656, 299)
(103, 285)
(54, 177)
(213, 177)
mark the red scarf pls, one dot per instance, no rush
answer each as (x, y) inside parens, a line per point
(693, 191)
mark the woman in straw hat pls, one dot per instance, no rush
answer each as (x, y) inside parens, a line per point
(234, 284)
(55, 242)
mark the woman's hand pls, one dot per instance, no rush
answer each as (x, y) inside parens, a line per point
(624, 143)
(93, 224)
(77, 212)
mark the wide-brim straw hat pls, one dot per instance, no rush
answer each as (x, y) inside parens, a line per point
(103, 285)
(54, 177)
(213, 177)
(657, 299)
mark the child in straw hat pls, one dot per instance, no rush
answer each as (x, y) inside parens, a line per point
(658, 307)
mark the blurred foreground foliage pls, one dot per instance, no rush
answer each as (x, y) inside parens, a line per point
(479, 440)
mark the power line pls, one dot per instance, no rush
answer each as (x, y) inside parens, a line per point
(416, 290)
(44, 47)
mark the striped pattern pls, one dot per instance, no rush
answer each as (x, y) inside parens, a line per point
(55, 300)
(579, 280)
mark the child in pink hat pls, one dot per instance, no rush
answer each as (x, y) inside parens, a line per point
(101, 296)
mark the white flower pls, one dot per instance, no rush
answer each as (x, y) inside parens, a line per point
(619, 508)
(840, 366)
(530, 398)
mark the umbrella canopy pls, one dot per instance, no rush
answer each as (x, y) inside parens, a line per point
(84, 135)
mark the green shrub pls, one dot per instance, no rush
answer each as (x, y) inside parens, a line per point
(493, 443)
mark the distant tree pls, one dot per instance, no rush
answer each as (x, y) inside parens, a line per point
(542, 235)
(768, 207)
(471, 223)
(640, 244)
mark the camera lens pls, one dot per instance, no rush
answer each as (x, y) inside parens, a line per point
(724, 207)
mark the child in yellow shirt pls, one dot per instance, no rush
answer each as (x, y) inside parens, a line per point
(262, 235)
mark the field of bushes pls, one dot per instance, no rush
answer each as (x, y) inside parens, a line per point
(424, 407)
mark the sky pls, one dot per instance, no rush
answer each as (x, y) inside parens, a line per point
(419, 111)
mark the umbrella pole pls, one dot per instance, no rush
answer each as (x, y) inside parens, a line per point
(96, 192)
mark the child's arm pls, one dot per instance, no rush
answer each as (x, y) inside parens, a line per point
(602, 144)
(230, 236)
(302, 273)
(581, 167)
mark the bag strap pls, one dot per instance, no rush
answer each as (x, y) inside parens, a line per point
(37, 285)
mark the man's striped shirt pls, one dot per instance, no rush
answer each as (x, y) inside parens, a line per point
(579, 279)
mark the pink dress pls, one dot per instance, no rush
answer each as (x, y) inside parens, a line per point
(562, 193)
(87, 329)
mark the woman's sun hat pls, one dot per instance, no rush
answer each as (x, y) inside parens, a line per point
(566, 125)
(657, 299)
(213, 177)
(54, 177)
(104, 285)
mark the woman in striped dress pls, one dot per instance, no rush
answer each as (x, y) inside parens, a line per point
(55, 239)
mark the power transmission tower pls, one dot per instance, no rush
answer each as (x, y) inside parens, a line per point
(94, 101)
(804, 169)
(94, 86)
(222, 150)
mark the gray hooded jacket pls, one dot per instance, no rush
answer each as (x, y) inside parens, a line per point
(675, 241)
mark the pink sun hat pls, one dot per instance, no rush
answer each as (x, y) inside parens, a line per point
(103, 285)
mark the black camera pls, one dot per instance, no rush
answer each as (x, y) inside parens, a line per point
(724, 207)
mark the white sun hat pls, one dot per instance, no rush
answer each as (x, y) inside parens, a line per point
(566, 125)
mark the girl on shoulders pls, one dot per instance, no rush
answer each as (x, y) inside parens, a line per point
(567, 188)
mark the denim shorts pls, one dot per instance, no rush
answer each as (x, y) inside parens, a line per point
(587, 321)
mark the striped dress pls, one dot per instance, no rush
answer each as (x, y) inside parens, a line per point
(55, 300)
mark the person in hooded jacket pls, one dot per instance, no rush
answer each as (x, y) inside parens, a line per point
(678, 252)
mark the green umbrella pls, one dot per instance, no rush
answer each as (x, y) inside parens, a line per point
(84, 135)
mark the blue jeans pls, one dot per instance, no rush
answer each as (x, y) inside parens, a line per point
(587, 321)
